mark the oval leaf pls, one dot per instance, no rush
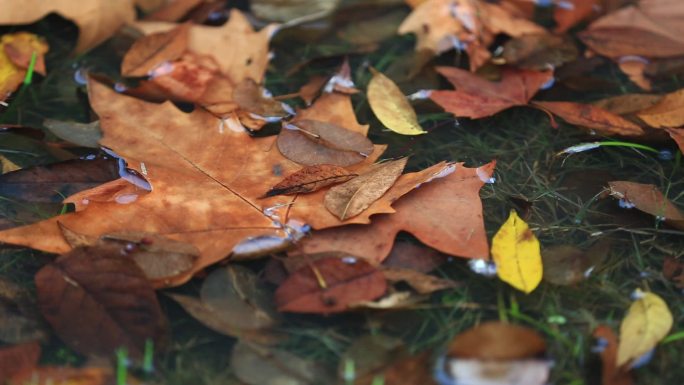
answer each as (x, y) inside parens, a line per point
(648, 321)
(517, 254)
(310, 179)
(330, 285)
(351, 198)
(391, 106)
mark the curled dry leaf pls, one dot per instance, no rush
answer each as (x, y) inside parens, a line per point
(648, 321)
(391, 106)
(18, 358)
(516, 252)
(330, 285)
(668, 112)
(115, 303)
(476, 97)
(311, 142)
(647, 198)
(351, 198)
(155, 49)
(587, 115)
(420, 282)
(610, 373)
(97, 20)
(310, 179)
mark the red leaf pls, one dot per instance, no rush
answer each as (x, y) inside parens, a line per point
(14, 359)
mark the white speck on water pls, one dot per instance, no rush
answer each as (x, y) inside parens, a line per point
(85, 201)
(587, 273)
(484, 176)
(420, 95)
(581, 147)
(625, 204)
(601, 345)
(143, 168)
(549, 83)
(349, 260)
(120, 87)
(340, 80)
(90, 157)
(482, 267)
(267, 119)
(162, 69)
(125, 199)
(566, 5)
(81, 76)
(632, 58)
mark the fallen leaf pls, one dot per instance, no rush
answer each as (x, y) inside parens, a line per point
(97, 20)
(472, 25)
(673, 270)
(420, 282)
(635, 69)
(335, 108)
(677, 134)
(571, 12)
(310, 179)
(410, 255)
(668, 112)
(257, 365)
(351, 198)
(311, 142)
(476, 97)
(16, 51)
(52, 375)
(330, 285)
(647, 198)
(115, 303)
(610, 373)
(292, 10)
(14, 359)
(391, 106)
(587, 115)
(648, 321)
(174, 10)
(445, 214)
(80, 134)
(564, 264)
(370, 354)
(516, 252)
(154, 50)
(250, 98)
(628, 104)
(539, 52)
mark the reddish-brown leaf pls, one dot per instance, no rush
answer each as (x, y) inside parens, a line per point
(154, 50)
(99, 302)
(250, 98)
(17, 358)
(610, 374)
(647, 198)
(587, 115)
(573, 12)
(673, 269)
(310, 179)
(420, 282)
(409, 255)
(476, 97)
(497, 341)
(330, 285)
(677, 134)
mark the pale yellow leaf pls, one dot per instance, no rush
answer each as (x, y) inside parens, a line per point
(517, 254)
(391, 106)
(647, 322)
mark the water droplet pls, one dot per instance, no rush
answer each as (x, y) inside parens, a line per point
(601, 345)
(349, 260)
(665, 155)
(483, 267)
(120, 87)
(162, 69)
(125, 199)
(549, 83)
(625, 204)
(81, 76)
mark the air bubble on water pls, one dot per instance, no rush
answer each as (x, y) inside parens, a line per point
(81, 76)
(420, 95)
(566, 5)
(125, 199)
(637, 295)
(665, 155)
(642, 360)
(120, 87)
(484, 176)
(625, 204)
(162, 69)
(288, 109)
(90, 157)
(587, 273)
(601, 345)
(549, 83)
(660, 218)
(267, 119)
(482, 267)
(349, 260)
(340, 80)
(632, 58)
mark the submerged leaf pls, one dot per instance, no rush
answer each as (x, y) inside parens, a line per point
(351, 198)
(391, 106)
(516, 253)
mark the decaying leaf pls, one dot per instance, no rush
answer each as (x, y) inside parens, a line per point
(668, 112)
(647, 198)
(249, 96)
(476, 97)
(154, 50)
(610, 373)
(648, 321)
(330, 285)
(351, 198)
(97, 20)
(111, 296)
(17, 358)
(391, 106)
(311, 142)
(310, 179)
(590, 116)
(410, 255)
(628, 104)
(516, 252)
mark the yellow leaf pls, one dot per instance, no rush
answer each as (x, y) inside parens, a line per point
(517, 254)
(7, 165)
(648, 320)
(391, 106)
(16, 50)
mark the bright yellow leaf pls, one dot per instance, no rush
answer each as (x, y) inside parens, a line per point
(517, 254)
(391, 106)
(647, 322)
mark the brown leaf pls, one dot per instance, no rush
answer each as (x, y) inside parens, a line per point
(17, 358)
(476, 98)
(351, 198)
(20, 47)
(420, 282)
(115, 304)
(564, 264)
(669, 112)
(539, 52)
(154, 50)
(330, 285)
(52, 375)
(628, 104)
(311, 142)
(587, 115)
(677, 134)
(610, 373)
(497, 341)
(409, 255)
(647, 198)
(97, 20)
(445, 214)
(173, 11)
(573, 12)
(335, 108)
(249, 97)
(310, 179)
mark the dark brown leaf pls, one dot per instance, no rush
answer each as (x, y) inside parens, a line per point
(587, 115)
(420, 282)
(310, 179)
(409, 255)
(539, 52)
(17, 358)
(154, 50)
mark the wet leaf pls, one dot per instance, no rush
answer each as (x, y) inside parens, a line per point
(539, 52)
(250, 98)
(587, 115)
(335, 108)
(409, 255)
(564, 264)
(351, 198)
(516, 252)
(420, 282)
(628, 104)
(391, 106)
(330, 285)
(115, 303)
(647, 198)
(17, 358)
(610, 373)
(311, 142)
(476, 97)
(154, 50)
(97, 20)
(257, 365)
(669, 111)
(310, 179)
(81, 134)
(648, 321)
